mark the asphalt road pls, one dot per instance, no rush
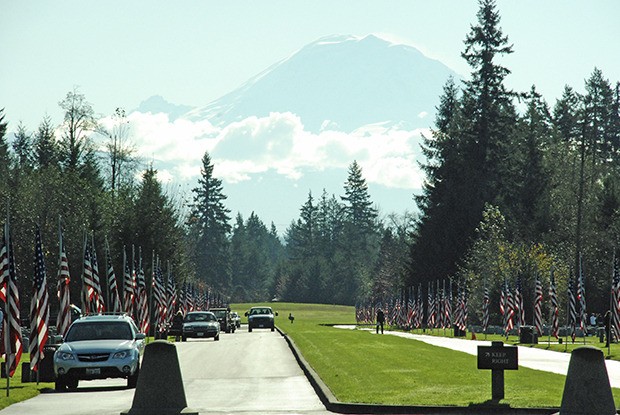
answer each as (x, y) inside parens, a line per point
(243, 373)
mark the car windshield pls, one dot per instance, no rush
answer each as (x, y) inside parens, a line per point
(260, 311)
(108, 330)
(199, 317)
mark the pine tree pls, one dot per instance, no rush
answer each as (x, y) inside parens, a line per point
(23, 148)
(472, 160)
(46, 149)
(209, 224)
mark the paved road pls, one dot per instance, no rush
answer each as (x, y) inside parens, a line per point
(243, 373)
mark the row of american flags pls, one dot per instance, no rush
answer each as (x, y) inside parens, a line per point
(443, 306)
(152, 305)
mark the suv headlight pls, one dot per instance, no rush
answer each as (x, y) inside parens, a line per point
(121, 355)
(65, 356)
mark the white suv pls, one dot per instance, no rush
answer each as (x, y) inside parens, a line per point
(98, 347)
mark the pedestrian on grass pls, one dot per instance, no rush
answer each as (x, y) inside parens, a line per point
(380, 320)
(291, 317)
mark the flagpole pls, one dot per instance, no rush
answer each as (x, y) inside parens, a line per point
(567, 317)
(611, 304)
(7, 335)
(152, 285)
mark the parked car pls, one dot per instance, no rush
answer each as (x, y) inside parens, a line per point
(227, 325)
(200, 324)
(236, 318)
(99, 347)
(260, 318)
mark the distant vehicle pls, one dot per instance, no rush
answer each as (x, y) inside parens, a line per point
(261, 318)
(227, 324)
(99, 347)
(236, 318)
(200, 324)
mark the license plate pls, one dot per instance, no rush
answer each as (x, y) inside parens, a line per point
(200, 334)
(261, 325)
(93, 371)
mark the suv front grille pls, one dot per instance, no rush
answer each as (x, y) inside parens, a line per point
(102, 357)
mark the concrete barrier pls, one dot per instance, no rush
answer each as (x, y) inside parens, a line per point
(160, 386)
(587, 390)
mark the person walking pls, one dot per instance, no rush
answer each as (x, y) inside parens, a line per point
(380, 320)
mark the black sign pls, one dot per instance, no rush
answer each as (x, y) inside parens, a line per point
(494, 357)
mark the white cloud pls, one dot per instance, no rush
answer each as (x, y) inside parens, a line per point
(279, 143)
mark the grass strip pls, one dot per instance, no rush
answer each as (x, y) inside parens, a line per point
(361, 367)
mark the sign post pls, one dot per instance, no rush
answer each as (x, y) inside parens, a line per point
(498, 358)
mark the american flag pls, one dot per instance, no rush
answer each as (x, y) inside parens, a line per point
(159, 294)
(430, 315)
(615, 296)
(114, 300)
(420, 307)
(39, 307)
(128, 291)
(519, 309)
(448, 306)
(572, 311)
(439, 294)
(462, 307)
(64, 278)
(555, 309)
(88, 283)
(502, 303)
(171, 294)
(144, 319)
(485, 309)
(538, 299)
(581, 296)
(97, 305)
(11, 323)
(509, 311)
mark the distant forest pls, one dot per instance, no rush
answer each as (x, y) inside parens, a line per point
(514, 188)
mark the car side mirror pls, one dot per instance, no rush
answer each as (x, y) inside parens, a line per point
(246, 313)
(140, 336)
(276, 313)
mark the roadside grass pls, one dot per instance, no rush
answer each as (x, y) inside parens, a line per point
(359, 366)
(19, 391)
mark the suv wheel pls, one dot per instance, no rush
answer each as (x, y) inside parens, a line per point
(250, 329)
(217, 338)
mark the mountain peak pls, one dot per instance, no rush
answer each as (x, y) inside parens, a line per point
(343, 81)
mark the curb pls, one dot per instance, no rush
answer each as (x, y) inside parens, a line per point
(332, 404)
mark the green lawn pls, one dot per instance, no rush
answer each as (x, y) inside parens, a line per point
(361, 367)
(19, 391)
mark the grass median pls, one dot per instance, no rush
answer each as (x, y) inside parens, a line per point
(361, 367)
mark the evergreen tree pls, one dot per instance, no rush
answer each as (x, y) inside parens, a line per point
(23, 148)
(472, 161)
(46, 149)
(209, 225)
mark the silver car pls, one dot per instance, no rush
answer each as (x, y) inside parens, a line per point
(99, 347)
(201, 324)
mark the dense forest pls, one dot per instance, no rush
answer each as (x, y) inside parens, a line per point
(514, 188)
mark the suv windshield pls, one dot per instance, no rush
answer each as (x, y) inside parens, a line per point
(219, 313)
(108, 330)
(260, 311)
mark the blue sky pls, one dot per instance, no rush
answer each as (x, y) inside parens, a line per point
(120, 53)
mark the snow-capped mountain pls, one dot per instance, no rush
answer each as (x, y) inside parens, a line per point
(340, 83)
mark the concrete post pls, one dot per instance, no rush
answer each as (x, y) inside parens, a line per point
(160, 387)
(587, 390)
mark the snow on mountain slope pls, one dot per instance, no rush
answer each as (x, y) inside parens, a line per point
(340, 83)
